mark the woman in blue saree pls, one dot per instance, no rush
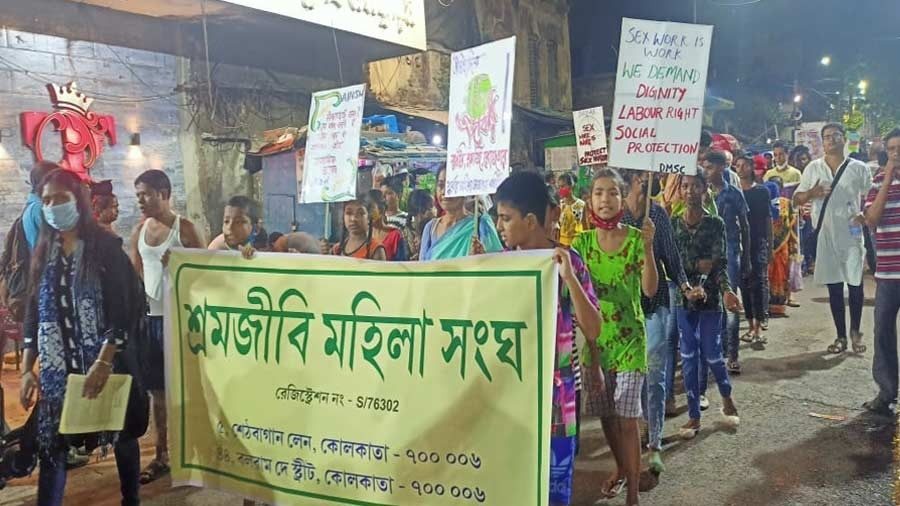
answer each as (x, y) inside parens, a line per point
(452, 234)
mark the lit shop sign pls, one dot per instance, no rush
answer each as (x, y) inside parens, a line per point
(398, 21)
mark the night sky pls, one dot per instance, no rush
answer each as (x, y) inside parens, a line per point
(765, 44)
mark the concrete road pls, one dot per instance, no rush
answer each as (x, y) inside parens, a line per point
(780, 455)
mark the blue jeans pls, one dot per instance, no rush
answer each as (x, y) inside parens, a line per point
(654, 395)
(672, 335)
(731, 340)
(52, 475)
(884, 361)
(700, 334)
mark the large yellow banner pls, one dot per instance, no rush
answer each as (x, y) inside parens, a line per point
(299, 379)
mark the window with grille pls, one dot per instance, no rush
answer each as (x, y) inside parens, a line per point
(534, 72)
(553, 71)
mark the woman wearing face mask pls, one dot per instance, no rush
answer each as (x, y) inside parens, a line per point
(85, 299)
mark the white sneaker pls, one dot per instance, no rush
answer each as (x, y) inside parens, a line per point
(704, 403)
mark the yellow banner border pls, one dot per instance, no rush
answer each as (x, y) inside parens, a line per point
(535, 274)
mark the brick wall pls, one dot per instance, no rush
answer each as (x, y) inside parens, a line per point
(125, 78)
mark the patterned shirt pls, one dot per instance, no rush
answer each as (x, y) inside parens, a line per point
(705, 241)
(398, 220)
(65, 302)
(617, 281)
(567, 366)
(668, 260)
(732, 209)
(887, 235)
(571, 221)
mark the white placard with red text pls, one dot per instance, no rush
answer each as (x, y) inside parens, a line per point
(660, 87)
(590, 136)
(481, 90)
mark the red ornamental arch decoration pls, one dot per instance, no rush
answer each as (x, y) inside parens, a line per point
(83, 132)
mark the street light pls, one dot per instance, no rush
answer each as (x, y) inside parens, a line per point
(798, 98)
(825, 61)
(863, 85)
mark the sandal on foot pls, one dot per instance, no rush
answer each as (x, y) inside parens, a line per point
(655, 462)
(839, 346)
(856, 342)
(747, 337)
(760, 339)
(154, 471)
(687, 433)
(734, 367)
(732, 421)
(878, 407)
(613, 487)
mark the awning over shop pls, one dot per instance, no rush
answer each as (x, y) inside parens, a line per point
(546, 117)
(441, 117)
(408, 152)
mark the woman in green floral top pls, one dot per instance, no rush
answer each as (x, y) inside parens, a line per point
(620, 261)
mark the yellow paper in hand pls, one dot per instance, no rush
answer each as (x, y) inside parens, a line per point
(81, 415)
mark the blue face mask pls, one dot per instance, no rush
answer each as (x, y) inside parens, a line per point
(62, 217)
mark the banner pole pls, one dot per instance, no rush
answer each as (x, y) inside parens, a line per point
(649, 197)
(475, 231)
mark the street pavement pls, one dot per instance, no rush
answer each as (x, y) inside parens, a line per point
(780, 454)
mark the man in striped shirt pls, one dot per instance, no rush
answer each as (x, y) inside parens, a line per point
(883, 216)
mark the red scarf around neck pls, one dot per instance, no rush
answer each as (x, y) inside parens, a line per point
(609, 224)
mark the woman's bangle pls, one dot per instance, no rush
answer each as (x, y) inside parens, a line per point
(103, 362)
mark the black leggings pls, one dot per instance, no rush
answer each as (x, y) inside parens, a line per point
(836, 300)
(755, 293)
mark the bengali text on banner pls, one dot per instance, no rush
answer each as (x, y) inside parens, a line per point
(300, 378)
